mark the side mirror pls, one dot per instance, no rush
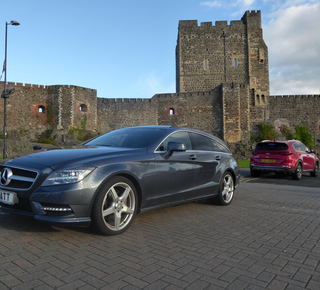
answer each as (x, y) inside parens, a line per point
(174, 146)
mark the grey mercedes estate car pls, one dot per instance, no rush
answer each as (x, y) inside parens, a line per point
(108, 180)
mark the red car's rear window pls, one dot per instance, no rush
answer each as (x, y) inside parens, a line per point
(272, 146)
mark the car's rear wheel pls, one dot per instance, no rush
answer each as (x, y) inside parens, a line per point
(226, 189)
(114, 207)
(298, 173)
(315, 171)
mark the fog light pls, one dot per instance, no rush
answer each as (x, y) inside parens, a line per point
(59, 209)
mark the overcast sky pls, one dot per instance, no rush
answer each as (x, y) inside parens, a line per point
(126, 48)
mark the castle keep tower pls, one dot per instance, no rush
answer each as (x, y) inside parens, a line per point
(231, 57)
(207, 55)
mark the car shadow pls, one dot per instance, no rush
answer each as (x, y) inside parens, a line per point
(281, 179)
(9, 221)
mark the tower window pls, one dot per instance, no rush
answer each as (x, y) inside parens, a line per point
(205, 64)
(235, 62)
(83, 108)
(41, 109)
(171, 111)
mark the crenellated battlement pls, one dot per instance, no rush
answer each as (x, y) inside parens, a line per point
(218, 25)
(36, 86)
(123, 100)
(24, 85)
(295, 96)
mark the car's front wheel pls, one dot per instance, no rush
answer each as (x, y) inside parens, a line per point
(115, 206)
(226, 189)
(315, 171)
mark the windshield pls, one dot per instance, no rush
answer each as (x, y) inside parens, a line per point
(128, 138)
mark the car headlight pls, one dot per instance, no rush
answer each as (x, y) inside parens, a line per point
(66, 176)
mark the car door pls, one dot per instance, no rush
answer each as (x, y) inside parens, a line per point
(308, 159)
(208, 160)
(175, 175)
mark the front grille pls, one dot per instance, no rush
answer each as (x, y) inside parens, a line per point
(20, 178)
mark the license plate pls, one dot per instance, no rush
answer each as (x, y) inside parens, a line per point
(8, 197)
(268, 160)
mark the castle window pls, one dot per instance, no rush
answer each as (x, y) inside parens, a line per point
(261, 55)
(83, 108)
(235, 62)
(41, 109)
(171, 111)
(205, 64)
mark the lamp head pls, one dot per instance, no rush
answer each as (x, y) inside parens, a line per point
(15, 23)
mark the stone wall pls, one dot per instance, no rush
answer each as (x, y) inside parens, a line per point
(198, 110)
(24, 119)
(291, 111)
(202, 110)
(119, 113)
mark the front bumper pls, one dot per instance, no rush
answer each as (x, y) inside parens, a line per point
(70, 204)
(71, 220)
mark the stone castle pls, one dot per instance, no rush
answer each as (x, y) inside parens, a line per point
(222, 87)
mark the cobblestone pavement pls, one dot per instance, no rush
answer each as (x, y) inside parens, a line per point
(268, 238)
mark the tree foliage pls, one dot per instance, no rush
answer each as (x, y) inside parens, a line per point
(266, 132)
(303, 135)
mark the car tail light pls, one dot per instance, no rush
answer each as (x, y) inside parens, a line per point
(286, 154)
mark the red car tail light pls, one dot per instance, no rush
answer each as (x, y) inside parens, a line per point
(286, 153)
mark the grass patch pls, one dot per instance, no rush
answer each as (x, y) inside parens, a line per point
(244, 163)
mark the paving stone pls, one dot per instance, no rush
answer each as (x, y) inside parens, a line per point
(263, 240)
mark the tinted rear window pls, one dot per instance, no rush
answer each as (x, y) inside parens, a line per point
(272, 146)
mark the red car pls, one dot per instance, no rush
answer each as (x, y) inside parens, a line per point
(290, 157)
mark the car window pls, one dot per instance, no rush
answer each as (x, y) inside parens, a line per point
(296, 146)
(182, 137)
(200, 142)
(304, 148)
(218, 146)
(272, 146)
(300, 147)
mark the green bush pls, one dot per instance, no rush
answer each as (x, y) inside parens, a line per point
(303, 135)
(46, 137)
(286, 132)
(266, 132)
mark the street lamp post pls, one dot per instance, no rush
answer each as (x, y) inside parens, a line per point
(6, 93)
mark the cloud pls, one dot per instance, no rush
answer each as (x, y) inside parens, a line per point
(150, 84)
(242, 4)
(293, 38)
(211, 4)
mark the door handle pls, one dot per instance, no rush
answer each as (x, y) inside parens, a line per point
(192, 157)
(218, 157)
